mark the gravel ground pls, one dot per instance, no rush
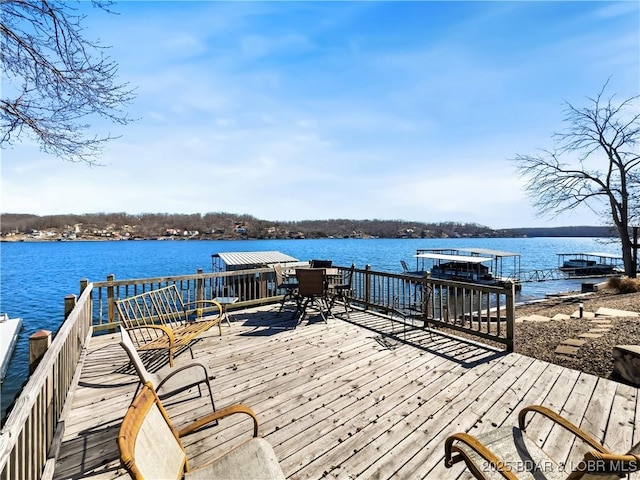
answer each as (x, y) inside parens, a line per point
(539, 340)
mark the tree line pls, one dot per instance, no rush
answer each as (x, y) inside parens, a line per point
(229, 225)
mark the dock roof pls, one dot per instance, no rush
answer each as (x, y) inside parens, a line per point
(454, 258)
(257, 259)
(486, 251)
(594, 254)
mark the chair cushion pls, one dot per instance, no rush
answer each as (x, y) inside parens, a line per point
(251, 460)
(517, 451)
(158, 453)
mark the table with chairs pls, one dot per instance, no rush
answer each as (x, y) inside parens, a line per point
(315, 288)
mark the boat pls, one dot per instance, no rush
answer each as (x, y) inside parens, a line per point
(9, 330)
(476, 265)
(457, 267)
(589, 264)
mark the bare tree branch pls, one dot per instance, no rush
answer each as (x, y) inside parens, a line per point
(599, 167)
(55, 81)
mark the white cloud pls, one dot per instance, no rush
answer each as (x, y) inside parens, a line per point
(292, 111)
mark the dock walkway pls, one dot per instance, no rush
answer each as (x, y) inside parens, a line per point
(347, 399)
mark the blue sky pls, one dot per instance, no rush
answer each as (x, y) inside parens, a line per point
(317, 110)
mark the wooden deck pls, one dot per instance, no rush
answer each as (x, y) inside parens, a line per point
(346, 400)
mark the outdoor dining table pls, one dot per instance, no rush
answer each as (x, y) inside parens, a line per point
(312, 290)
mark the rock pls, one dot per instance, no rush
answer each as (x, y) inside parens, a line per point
(567, 350)
(612, 312)
(626, 363)
(590, 335)
(537, 318)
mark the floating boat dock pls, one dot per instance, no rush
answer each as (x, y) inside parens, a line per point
(9, 330)
(592, 264)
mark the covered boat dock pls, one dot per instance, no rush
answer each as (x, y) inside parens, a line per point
(496, 270)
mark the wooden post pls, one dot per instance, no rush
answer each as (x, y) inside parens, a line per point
(84, 283)
(69, 304)
(38, 344)
(263, 286)
(511, 318)
(199, 287)
(427, 290)
(367, 286)
(635, 252)
(111, 301)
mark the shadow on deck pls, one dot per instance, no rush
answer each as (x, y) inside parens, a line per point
(356, 397)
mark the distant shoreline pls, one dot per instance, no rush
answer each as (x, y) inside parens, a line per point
(27, 239)
(230, 226)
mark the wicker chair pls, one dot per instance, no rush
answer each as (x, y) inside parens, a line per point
(177, 380)
(507, 452)
(150, 446)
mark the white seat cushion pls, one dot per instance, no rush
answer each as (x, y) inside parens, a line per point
(251, 460)
(517, 451)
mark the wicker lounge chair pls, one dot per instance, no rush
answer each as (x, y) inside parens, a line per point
(150, 446)
(177, 380)
(507, 452)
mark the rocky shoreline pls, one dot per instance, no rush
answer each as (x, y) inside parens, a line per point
(540, 339)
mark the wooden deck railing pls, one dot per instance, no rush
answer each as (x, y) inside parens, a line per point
(252, 287)
(481, 310)
(30, 436)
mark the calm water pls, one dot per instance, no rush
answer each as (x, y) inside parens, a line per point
(35, 277)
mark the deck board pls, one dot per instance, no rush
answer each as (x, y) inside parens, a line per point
(356, 397)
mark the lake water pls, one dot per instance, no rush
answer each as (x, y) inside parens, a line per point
(36, 276)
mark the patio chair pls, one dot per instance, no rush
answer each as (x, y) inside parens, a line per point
(507, 452)
(283, 283)
(312, 290)
(407, 271)
(150, 446)
(342, 291)
(179, 379)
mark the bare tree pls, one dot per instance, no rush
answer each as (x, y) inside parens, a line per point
(595, 163)
(55, 80)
